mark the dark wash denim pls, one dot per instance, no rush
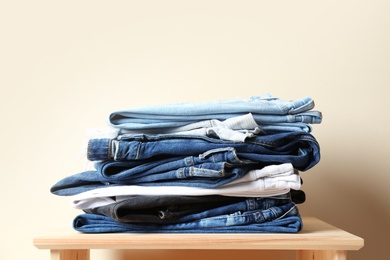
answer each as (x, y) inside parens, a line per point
(277, 219)
(298, 148)
(161, 209)
(216, 167)
(179, 209)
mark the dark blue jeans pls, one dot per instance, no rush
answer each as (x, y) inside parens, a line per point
(208, 170)
(299, 148)
(277, 219)
(217, 163)
(179, 209)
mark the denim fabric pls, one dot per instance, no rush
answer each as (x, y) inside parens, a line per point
(265, 109)
(285, 127)
(161, 209)
(91, 180)
(301, 149)
(242, 134)
(277, 219)
(233, 129)
(169, 172)
(179, 209)
(221, 165)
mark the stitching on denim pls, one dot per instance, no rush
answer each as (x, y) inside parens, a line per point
(138, 150)
(109, 149)
(288, 212)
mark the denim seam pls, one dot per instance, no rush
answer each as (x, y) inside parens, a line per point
(275, 214)
(276, 144)
(109, 150)
(259, 216)
(288, 212)
(138, 149)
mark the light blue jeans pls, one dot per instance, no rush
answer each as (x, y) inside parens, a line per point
(266, 110)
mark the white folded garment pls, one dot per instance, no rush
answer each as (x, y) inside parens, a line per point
(279, 170)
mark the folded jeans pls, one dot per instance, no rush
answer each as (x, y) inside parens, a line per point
(278, 219)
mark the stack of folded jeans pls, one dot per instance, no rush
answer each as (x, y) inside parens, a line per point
(227, 166)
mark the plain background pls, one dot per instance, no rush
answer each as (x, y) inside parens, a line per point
(64, 65)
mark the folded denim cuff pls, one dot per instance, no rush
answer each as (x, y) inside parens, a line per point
(99, 149)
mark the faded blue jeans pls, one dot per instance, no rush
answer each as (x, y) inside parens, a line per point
(266, 110)
(277, 219)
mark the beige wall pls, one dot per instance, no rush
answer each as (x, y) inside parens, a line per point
(65, 66)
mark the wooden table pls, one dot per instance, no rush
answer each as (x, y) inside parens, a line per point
(318, 240)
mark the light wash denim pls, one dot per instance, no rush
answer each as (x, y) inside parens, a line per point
(179, 209)
(265, 109)
(286, 127)
(234, 129)
(298, 148)
(277, 219)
